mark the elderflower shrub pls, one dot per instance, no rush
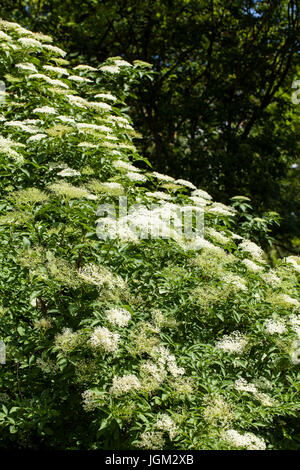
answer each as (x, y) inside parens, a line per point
(151, 343)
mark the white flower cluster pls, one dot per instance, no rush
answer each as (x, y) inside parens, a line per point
(37, 137)
(106, 96)
(159, 195)
(24, 127)
(219, 210)
(202, 194)
(162, 177)
(27, 67)
(236, 281)
(265, 399)
(248, 440)
(167, 360)
(109, 69)
(77, 78)
(118, 316)
(125, 384)
(273, 326)
(271, 278)
(151, 440)
(136, 177)
(85, 68)
(295, 324)
(234, 343)
(188, 184)
(50, 81)
(30, 42)
(121, 165)
(87, 145)
(5, 37)
(122, 63)
(62, 188)
(102, 337)
(58, 70)
(251, 265)
(288, 301)
(294, 261)
(45, 110)
(119, 121)
(165, 423)
(217, 236)
(110, 187)
(66, 119)
(99, 276)
(69, 172)
(89, 398)
(157, 372)
(199, 201)
(84, 126)
(100, 106)
(54, 50)
(75, 100)
(253, 249)
(7, 147)
(67, 340)
(217, 411)
(243, 386)
(163, 221)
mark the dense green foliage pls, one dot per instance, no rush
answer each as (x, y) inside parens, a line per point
(218, 110)
(126, 343)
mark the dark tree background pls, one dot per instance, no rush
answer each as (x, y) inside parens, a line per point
(218, 111)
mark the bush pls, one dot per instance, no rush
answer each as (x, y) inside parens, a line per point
(126, 342)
